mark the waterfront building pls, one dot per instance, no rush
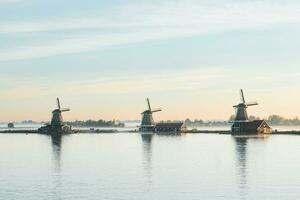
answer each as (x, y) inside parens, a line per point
(174, 127)
(242, 125)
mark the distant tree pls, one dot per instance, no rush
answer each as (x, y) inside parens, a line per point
(96, 123)
(188, 122)
(232, 117)
(276, 119)
(252, 118)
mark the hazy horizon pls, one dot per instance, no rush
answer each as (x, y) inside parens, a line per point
(139, 119)
(103, 59)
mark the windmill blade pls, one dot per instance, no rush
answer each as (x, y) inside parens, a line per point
(58, 103)
(156, 110)
(64, 109)
(148, 102)
(235, 106)
(242, 96)
(254, 103)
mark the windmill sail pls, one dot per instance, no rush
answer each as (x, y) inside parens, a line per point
(254, 103)
(156, 110)
(148, 102)
(65, 109)
(242, 96)
(58, 103)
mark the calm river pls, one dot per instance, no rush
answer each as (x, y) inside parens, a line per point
(134, 167)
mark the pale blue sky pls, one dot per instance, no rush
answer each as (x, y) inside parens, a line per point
(103, 58)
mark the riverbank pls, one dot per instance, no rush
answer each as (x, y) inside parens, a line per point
(98, 131)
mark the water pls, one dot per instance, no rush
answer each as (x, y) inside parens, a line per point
(131, 166)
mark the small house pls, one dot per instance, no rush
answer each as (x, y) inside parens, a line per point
(251, 127)
(10, 125)
(175, 127)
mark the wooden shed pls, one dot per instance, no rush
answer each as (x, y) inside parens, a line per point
(177, 127)
(251, 127)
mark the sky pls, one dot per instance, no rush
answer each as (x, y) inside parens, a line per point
(104, 58)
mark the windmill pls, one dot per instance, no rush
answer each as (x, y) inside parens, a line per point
(147, 118)
(241, 108)
(57, 126)
(57, 119)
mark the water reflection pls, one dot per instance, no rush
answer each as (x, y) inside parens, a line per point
(241, 150)
(147, 154)
(241, 147)
(241, 154)
(56, 141)
(56, 150)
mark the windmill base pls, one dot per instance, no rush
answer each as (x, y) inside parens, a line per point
(55, 130)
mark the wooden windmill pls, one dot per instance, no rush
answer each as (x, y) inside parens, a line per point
(147, 123)
(57, 119)
(241, 108)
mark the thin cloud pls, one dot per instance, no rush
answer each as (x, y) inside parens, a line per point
(181, 80)
(180, 14)
(142, 23)
(9, 1)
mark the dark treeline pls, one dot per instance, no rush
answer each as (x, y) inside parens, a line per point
(199, 122)
(278, 120)
(31, 122)
(85, 123)
(96, 123)
(272, 120)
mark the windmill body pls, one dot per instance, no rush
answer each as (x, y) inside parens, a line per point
(147, 123)
(57, 119)
(241, 109)
(147, 119)
(241, 113)
(57, 125)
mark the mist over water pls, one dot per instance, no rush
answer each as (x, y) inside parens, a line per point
(132, 166)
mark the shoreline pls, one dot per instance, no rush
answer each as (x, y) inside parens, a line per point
(106, 131)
